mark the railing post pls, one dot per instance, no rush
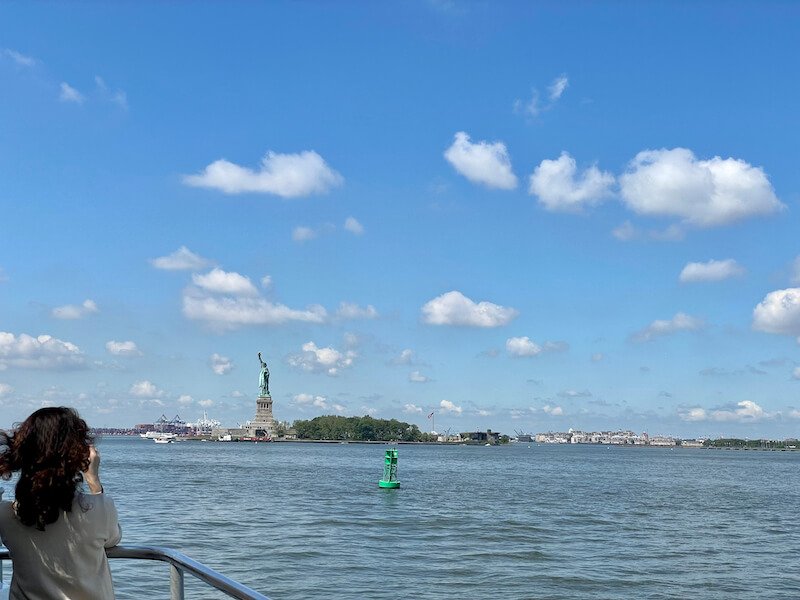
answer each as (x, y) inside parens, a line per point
(175, 583)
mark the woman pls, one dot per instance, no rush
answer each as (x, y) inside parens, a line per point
(55, 532)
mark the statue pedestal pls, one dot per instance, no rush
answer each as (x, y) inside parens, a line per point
(263, 425)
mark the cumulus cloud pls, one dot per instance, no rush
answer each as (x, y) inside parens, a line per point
(225, 282)
(417, 377)
(353, 226)
(19, 59)
(553, 411)
(525, 347)
(70, 94)
(285, 175)
(206, 403)
(453, 308)
(326, 360)
(6, 389)
(446, 406)
(412, 409)
(745, 411)
(185, 400)
(145, 389)
(311, 400)
(796, 373)
(680, 322)
(220, 364)
(122, 348)
(556, 184)
(75, 311)
(266, 282)
(42, 352)
(485, 163)
(182, 259)
(713, 270)
(406, 357)
(348, 310)
(230, 312)
(779, 312)
(118, 97)
(303, 234)
(703, 193)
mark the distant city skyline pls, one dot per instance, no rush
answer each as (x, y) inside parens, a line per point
(518, 216)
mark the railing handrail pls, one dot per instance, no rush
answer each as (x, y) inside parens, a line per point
(179, 561)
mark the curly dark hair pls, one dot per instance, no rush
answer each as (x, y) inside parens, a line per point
(50, 449)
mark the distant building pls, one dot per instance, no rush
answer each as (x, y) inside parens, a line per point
(484, 437)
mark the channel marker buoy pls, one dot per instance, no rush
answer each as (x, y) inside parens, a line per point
(389, 479)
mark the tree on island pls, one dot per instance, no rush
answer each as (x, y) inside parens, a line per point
(360, 429)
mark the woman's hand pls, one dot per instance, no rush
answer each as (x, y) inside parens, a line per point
(92, 474)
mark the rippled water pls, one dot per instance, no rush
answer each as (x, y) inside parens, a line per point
(308, 520)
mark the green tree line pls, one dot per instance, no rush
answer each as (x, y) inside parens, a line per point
(362, 429)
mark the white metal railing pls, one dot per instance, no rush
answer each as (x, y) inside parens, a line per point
(180, 564)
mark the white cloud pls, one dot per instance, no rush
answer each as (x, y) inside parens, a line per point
(412, 409)
(417, 377)
(42, 352)
(597, 357)
(796, 373)
(206, 403)
(145, 389)
(406, 357)
(6, 389)
(70, 94)
(266, 282)
(20, 59)
(522, 346)
(348, 310)
(575, 394)
(185, 400)
(704, 193)
(353, 226)
(713, 270)
(553, 411)
(221, 365)
(230, 312)
(285, 175)
(534, 106)
(680, 322)
(182, 259)
(448, 407)
(303, 234)
(779, 312)
(556, 89)
(794, 414)
(694, 414)
(453, 308)
(74, 311)
(322, 360)
(483, 162)
(555, 183)
(225, 282)
(745, 411)
(122, 348)
(317, 401)
(627, 232)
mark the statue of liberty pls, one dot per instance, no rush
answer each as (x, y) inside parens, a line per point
(263, 378)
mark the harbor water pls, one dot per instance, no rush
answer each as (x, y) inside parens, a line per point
(519, 521)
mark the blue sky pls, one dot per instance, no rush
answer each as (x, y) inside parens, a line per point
(520, 216)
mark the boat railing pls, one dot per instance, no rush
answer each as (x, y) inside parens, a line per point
(179, 563)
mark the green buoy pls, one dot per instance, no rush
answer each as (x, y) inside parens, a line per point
(389, 479)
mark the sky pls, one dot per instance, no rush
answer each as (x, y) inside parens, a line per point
(516, 216)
